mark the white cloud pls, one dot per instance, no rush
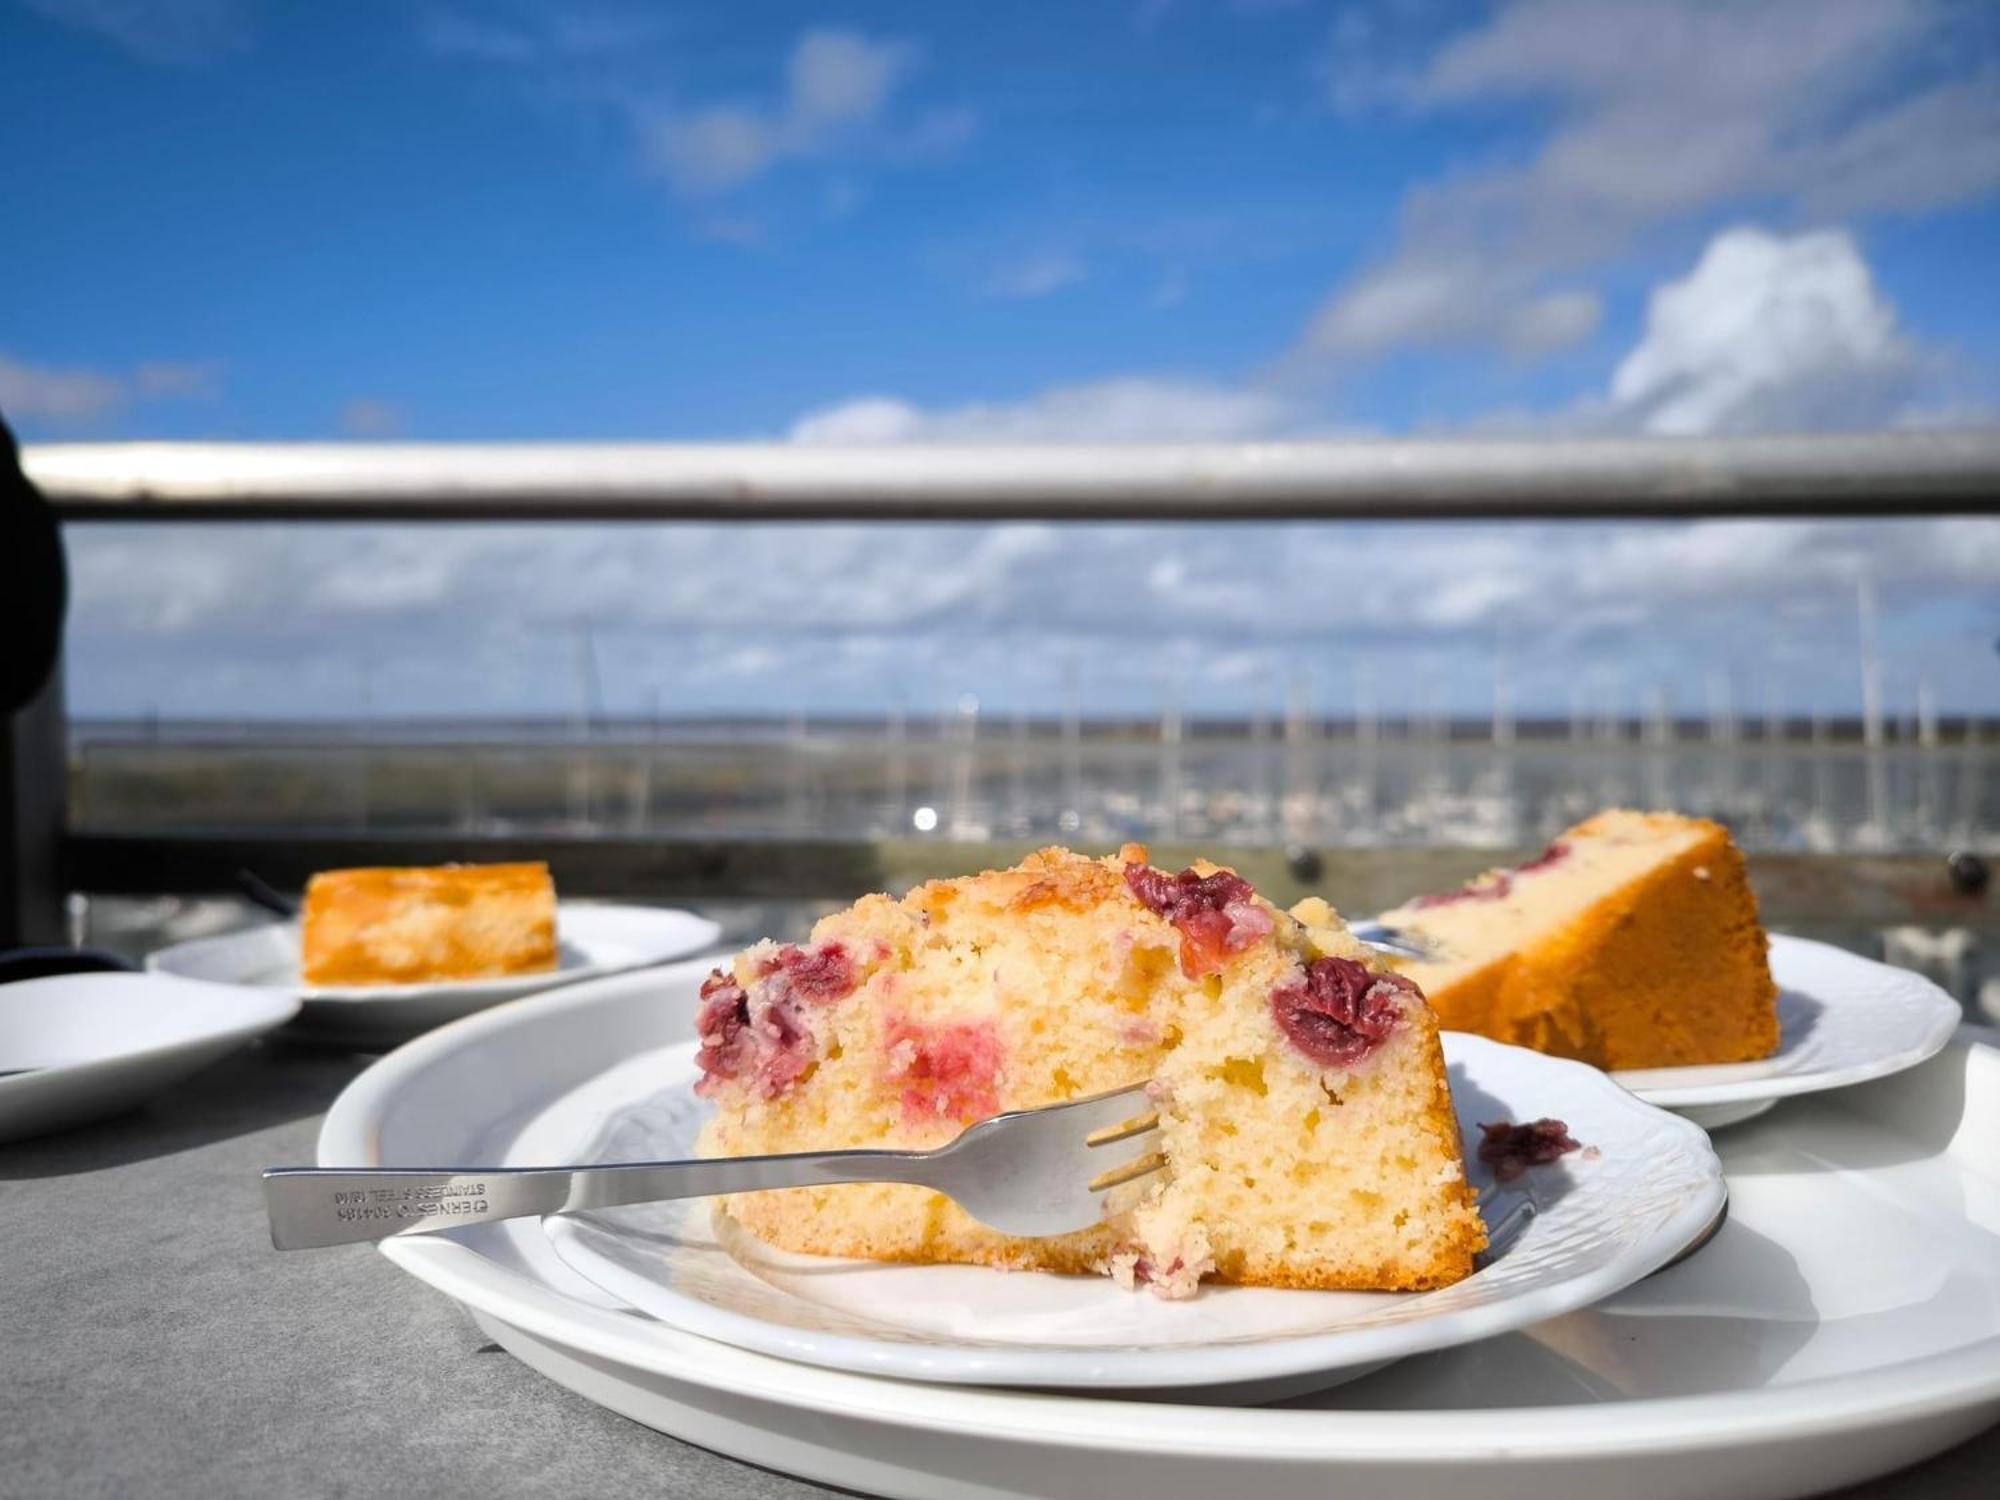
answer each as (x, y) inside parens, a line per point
(77, 397)
(158, 31)
(56, 395)
(1768, 334)
(1128, 410)
(1441, 303)
(838, 86)
(1037, 276)
(163, 381)
(1663, 111)
(525, 32)
(1940, 148)
(1173, 287)
(715, 148)
(1765, 333)
(1551, 322)
(280, 620)
(837, 99)
(366, 417)
(837, 77)
(451, 34)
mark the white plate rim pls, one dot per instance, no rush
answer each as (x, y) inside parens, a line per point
(703, 933)
(1476, 1438)
(266, 1012)
(1944, 1016)
(1163, 1367)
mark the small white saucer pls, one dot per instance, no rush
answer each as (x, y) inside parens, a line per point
(1843, 1019)
(1564, 1236)
(90, 1045)
(592, 940)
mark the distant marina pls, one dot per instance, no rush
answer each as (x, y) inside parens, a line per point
(1819, 785)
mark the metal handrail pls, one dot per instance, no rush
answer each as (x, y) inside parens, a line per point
(1879, 474)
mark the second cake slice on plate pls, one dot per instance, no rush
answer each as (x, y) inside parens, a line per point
(1306, 1119)
(1632, 942)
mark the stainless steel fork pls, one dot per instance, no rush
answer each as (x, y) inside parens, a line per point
(1396, 941)
(1030, 1173)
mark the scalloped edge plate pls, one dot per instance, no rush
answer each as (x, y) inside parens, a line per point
(1843, 1019)
(1564, 1236)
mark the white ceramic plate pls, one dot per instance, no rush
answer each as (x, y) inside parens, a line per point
(1842, 1019)
(1843, 1323)
(592, 940)
(77, 1047)
(1563, 1236)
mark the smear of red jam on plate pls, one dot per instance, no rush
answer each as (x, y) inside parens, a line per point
(1511, 1149)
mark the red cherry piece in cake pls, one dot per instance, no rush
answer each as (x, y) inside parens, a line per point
(1339, 1010)
(1217, 915)
(754, 1033)
(1555, 854)
(728, 1046)
(1493, 889)
(786, 1047)
(818, 975)
(1498, 886)
(949, 1071)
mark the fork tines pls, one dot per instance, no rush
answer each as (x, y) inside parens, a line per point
(1119, 1116)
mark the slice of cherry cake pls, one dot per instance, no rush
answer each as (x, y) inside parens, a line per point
(1305, 1116)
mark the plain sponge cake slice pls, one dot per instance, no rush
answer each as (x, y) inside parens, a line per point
(1632, 942)
(418, 925)
(1305, 1116)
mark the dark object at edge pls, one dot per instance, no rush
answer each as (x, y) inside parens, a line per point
(1968, 872)
(34, 585)
(44, 963)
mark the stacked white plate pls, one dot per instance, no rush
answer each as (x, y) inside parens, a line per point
(78, 1047)
(1843, 1321)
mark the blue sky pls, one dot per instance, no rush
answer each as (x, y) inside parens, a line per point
(917, 222)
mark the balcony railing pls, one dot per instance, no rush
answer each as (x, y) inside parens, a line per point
(1899, 475)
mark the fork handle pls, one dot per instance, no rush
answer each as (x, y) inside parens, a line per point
(314, 1206)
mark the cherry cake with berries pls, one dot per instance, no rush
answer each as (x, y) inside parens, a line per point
(1632, 942)
(1305, 1118)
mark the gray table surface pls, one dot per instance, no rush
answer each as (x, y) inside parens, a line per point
(152, 1344)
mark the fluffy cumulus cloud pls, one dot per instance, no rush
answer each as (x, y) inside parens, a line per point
(77, 397)
(1663, 111)
(1768, 334)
